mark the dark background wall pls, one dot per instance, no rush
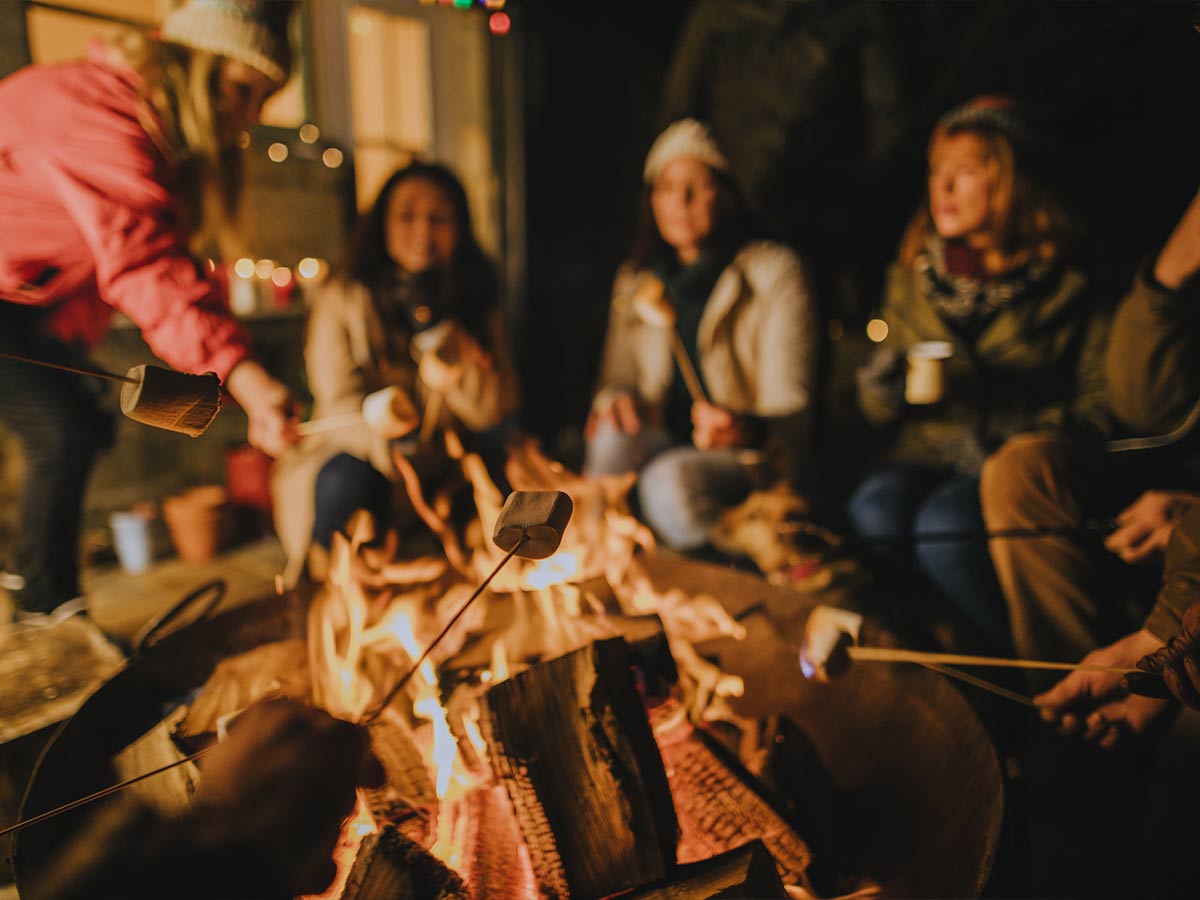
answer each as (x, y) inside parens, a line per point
(825, 108)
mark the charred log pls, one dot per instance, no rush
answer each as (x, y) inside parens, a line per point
(391, 867)
(571, 742)
(747, 872)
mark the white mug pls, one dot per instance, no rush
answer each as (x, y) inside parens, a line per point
(925, 378)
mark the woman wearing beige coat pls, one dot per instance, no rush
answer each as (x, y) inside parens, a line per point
(747, 323)
(417, 311)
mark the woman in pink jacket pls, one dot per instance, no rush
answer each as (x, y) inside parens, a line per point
(109, 167)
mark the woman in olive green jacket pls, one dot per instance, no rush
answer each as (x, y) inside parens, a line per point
(990, 332)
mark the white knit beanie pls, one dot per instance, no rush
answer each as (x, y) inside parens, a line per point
(251, 31)
(687, 137)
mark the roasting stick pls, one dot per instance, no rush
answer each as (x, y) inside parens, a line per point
(433, 413)
(532, 521)
(895, 654)
(982, 684)
(75, 370)
(652, 307)
(83, 801)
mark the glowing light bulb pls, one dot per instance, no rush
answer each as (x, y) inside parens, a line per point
(499, 23)
(877, 330)
(244, 267)
(243, 140)
(277, 152)
(309, 133)
(282, 276)
(263, 268)
(309, 267)
(332, 157)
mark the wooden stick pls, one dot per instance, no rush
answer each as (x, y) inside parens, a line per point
(891, 654)
(433, 412)
(686, 369)
(982, 684)
(329, 423)
(404, 679)
(75, 370)
(83, 801)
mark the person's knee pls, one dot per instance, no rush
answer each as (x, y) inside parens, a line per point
(878, 506)
(1021, 475)
(670, 495)
(344, 485)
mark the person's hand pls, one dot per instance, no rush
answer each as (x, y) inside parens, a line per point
(269, 407)
(716, 428)
(282, 783)
(621, 413)
(1094, 704)
(1180, 256)
(1178, 663)
(1146, 525)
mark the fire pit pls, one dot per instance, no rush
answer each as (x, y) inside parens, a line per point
(885, 776)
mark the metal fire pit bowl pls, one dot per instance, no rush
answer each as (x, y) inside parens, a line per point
(916, 796)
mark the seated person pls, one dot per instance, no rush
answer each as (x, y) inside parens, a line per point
(746, 322)
(1067, 596)
(417, 291)
(984, 271)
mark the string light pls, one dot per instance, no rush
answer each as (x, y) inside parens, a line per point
(493, 4)
(277, 152)
(877, 330)
(309, 133)
(463, 4)
(263, 268)
(332, 157)
(244, 267)
(499, 23)
(309, 267)
(282, 276)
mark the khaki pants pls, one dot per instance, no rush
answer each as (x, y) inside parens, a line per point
(1065, 595)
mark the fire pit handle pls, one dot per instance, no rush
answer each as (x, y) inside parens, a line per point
(152, 632)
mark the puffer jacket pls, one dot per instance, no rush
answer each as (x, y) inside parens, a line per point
(88, 219)
(757, 340)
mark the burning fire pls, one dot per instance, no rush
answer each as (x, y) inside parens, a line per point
(375, 617)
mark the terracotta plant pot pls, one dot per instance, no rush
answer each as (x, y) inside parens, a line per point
(197, 520)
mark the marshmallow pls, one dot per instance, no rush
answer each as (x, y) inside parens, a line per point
(826, 635)
(172, 400)
(390, 412)
(539, 518)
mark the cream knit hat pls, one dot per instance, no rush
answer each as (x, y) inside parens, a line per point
(687, 137)
(251, 31)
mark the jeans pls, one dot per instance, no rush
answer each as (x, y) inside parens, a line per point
(61, 427)
(681, 490)
(345, 485)
(911, 500)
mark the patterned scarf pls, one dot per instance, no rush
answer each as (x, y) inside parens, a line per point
(968, 300)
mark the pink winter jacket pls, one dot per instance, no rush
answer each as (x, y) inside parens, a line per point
(88, 222)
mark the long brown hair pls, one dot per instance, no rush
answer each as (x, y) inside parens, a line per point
(183, 118)
(1028, 219)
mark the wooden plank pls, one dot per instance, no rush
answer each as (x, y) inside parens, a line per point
(48, 670)
(571, 743)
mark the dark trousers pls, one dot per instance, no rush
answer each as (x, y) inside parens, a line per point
(345, 485)
(56, 417)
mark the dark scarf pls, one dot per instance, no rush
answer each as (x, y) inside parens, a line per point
(952, 276)
(688, 288)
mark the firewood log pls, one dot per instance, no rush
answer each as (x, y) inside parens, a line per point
(391, 867)
(747, 872)
(276, 668)
(571, 743)
(403, 764)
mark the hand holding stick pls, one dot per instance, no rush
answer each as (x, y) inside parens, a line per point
(652, 307)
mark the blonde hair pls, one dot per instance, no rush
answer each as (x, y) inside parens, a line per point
(1027, 219)
(183, 118)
